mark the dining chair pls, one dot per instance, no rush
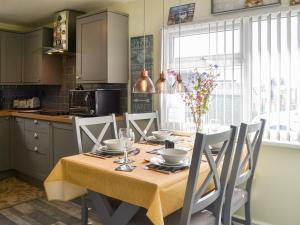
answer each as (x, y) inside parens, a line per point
(196, 198)
(133, 118)
(238, 193)
(84, 129)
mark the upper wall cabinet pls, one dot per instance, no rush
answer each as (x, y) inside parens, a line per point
(40, 68)
(11, 57)
(102, 48)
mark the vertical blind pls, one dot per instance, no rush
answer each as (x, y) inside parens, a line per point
(275, 73)
(258, 59)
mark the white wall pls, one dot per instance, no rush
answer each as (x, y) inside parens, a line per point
(276, 196)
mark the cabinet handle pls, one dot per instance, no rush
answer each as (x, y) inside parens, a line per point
(35, 135)
(35, 149)
(35, 122)
(78, 77)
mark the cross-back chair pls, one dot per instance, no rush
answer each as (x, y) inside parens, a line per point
(242, 173)
(196, 198)
(82, 126)
(152, 117)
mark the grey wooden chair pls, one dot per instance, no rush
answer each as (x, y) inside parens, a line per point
(238, 193)
(81, 126)
(152, 118)
(196, 200)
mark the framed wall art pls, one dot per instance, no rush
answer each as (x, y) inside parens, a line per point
(182, 13)
(223, 6)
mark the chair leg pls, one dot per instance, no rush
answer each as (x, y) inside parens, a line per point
(84, 212)
(248, 213)
(227, 220)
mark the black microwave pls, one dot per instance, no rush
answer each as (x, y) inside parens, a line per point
(99, 102)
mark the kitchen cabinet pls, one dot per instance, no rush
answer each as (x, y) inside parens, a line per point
(18, 143)
(64, 142)
(40, 68)
(32, 147)
(11, 57)
(102, 48)
(5, 144)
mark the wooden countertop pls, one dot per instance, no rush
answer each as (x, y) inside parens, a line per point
(36, 116)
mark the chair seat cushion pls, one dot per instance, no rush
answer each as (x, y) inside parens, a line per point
(239, 198)
(204, 217)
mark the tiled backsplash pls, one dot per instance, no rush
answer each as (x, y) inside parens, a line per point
(55, 97)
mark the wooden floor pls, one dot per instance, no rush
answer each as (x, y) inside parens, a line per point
(43, 212)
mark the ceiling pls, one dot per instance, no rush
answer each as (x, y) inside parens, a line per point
(39, 12)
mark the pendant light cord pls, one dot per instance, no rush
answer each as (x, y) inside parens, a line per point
(163, 38)
(144, 34)
(179, 69)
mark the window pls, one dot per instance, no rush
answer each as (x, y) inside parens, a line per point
(258, 59)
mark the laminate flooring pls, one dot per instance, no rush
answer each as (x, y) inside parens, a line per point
(42, 212)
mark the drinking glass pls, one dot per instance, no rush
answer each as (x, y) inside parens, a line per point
(214, 125)
(125, 137)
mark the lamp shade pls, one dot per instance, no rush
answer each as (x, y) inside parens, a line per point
(178, 86)
(161, 85)
(144, 84)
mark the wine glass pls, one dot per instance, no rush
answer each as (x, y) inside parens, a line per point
(132, 136)
(126, 143)
(214, 125)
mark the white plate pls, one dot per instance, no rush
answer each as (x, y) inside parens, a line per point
(158, 160)
(170, 138)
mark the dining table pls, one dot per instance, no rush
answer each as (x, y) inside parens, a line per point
(159, 193)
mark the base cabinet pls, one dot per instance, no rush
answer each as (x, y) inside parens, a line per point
(64, 143)
(5, 162)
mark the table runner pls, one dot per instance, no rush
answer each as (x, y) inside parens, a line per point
(161, 194)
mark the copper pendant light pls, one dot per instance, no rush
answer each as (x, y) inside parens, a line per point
(178, 86)
(162, 86)
(144, 84)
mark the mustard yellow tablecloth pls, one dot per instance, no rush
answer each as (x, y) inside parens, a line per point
(161, 194)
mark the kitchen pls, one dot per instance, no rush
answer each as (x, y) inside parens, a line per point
(55, 56)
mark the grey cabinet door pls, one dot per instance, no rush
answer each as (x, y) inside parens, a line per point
(64, 143)
(11, 57)
(5, 144)
(91, 47)
(19, 158)
(33, 57)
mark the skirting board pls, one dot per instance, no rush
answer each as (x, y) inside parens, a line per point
(255, 222)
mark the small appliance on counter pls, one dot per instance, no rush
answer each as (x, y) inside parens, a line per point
(98, 102)
(29, 103)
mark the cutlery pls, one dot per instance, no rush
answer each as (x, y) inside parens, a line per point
(157, 170)
(95, 156)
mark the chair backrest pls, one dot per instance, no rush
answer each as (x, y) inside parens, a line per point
(152, 118)
(196, 198)
(245, 158)
(81, 126)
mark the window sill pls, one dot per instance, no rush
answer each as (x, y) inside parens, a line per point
(281, 144)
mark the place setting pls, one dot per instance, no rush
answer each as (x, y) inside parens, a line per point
(159, 137)
(116, 147)
(169, 160)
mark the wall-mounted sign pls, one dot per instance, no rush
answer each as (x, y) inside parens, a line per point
(141, 103)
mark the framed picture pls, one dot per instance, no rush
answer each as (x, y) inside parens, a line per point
(183, 13)
(294, 2)
(223, 6)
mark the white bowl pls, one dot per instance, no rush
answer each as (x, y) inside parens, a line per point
(161, 134)
(173, 155)
(113, 144)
